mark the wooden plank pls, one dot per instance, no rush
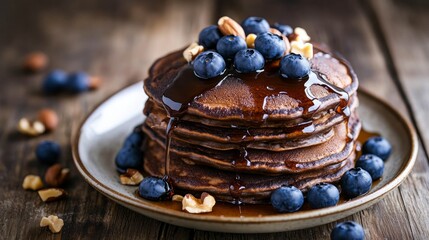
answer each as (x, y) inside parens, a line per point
(404, 35)
(344, 26)
(117, 40)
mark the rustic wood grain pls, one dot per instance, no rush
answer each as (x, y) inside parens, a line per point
(118, 40)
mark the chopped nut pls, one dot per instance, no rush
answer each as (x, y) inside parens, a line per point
(54, 223)
(56, 175)
(305, 49)
(177, 198)
(48, 118)
(287, 44)
(192, 51)
(195, 205)
(32, 182)
(301, 35)
(35, 61)
(228, 26)
(52, 194)
(275, 31)
(31, 129)
(250, 40)
(131, 177)
(94, 82)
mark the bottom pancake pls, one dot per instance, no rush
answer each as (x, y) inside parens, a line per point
(188, 177)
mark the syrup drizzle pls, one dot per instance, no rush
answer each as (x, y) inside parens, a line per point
(263, 86)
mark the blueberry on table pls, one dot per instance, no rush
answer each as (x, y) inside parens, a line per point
(48, 152)
(270, 45)
(356, 182)
(294, 66)
(323, 195)
(135, 139)
(209, 64)
(54, 82)
(372, 164)
(348, 231)
(129, 157)
(77, 82)
(255, 25)
(287, 199)
(248, 60)
(155, 189)
(229, 45)
(378, 146)
(284, 29)
(209, 36)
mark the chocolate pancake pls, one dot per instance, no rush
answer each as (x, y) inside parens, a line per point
(237, 99)
(193, 178)
(310, 158)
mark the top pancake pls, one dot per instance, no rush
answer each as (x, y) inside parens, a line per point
(234, 101)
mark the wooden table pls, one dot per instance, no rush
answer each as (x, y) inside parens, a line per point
(386, 41)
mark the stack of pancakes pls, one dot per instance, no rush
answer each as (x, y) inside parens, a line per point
(229, 143)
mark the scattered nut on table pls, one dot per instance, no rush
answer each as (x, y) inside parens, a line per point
(35, 128)
(131, 177)
(35, 62)
(49, 118)
(228, 26)
(204, 204)
(32, 182)
(56, 175)
(54, 223)
(94, 82)
(191, 52)
(51, 194)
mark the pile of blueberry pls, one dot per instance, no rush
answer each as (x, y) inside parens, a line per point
(224, 50)
(354, 182)
(58, 81)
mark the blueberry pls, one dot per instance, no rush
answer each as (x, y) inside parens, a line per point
(284, 29)
(323, 195)
(135, 139)
(77, 82)
(287, 199)
(248, 60)
(378, 146)
(155, 189)
(54, 82)
(129, 157)
(347, 231)
(356, 182)
(48, 152)
(294, 66)
(209, 36)
(271, 46)
(372, 164)
(229, 45)
(209, 64)
(255, 25)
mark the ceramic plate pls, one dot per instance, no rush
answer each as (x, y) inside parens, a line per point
(102, 133)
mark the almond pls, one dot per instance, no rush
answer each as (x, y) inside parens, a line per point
(35, 62)
(191, 52)
(95, 82)
(49, 118)
(228, 26)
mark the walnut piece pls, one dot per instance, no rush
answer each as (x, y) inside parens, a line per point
(301, 35)
(131, 177)
(32, 182)
(51, 194)
(192, 51)
(54, 223)
(305, 49)
(204, 204)
(26, 127)
(177, 198)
